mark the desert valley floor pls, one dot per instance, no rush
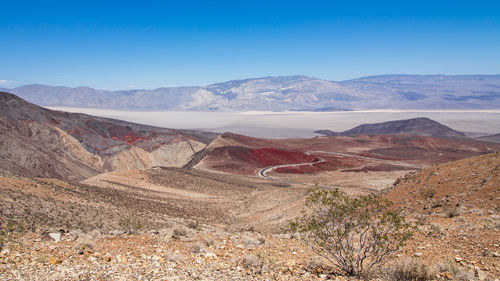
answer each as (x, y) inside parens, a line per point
(296, 124)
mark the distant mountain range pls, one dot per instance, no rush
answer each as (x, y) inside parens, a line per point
(417, 126)
(298, 93)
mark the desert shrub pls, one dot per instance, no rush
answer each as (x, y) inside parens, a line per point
(10, 230)
(43, 259)
(497, 209)
(354, 234)
(209, 242)
(130, 225)
(428, 192)
(179, 231)
(261, 240)
(452, 212)
(411, 270)
(174, 257)
(448, 266)
(15, 226)
(194, 225)
(436, 228)
(451, 267)
(253, 263)
(249, 261)
(197, 248)
(83, 246)
(420, 219)
(265, 257)
(253, 242)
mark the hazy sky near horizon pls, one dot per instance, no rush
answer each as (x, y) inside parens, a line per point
(149, 44)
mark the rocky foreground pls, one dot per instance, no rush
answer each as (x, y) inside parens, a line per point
(178, 253)
(197, 252)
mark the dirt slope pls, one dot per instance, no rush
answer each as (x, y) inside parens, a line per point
(457, 208)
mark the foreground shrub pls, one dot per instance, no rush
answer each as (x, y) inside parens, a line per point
(354, 234)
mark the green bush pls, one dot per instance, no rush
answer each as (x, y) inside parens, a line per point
(354, 234)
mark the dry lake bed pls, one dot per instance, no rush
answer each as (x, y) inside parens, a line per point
(296, 124)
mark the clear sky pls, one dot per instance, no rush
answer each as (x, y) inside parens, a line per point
(148, 44)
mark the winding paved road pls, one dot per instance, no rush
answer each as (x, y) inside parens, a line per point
(263, 172)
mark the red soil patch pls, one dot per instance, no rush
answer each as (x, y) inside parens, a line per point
(271, 156)
(243, 160)
(132, 138)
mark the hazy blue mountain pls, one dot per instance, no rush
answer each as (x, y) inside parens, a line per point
(288, 93)
(430, 91)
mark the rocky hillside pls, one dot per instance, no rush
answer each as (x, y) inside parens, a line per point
(417, 126)
(457, 208)
(38, 142)
(288, 93)
(458, 186)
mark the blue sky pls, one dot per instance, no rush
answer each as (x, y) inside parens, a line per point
(149, 44)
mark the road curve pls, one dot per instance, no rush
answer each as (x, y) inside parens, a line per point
(263, 172)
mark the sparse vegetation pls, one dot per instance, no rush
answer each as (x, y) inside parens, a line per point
(194, 225)
(197, 248)
(411, 270)
(428, 193)
(130, 225)
(354, 234)
(180, 231)
(83, 246)
(314, 265)
(452, 212)
(436, 228)
(253, 263)
(10, 230)
(449, 266)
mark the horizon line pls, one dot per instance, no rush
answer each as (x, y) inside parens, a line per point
(242, 79)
